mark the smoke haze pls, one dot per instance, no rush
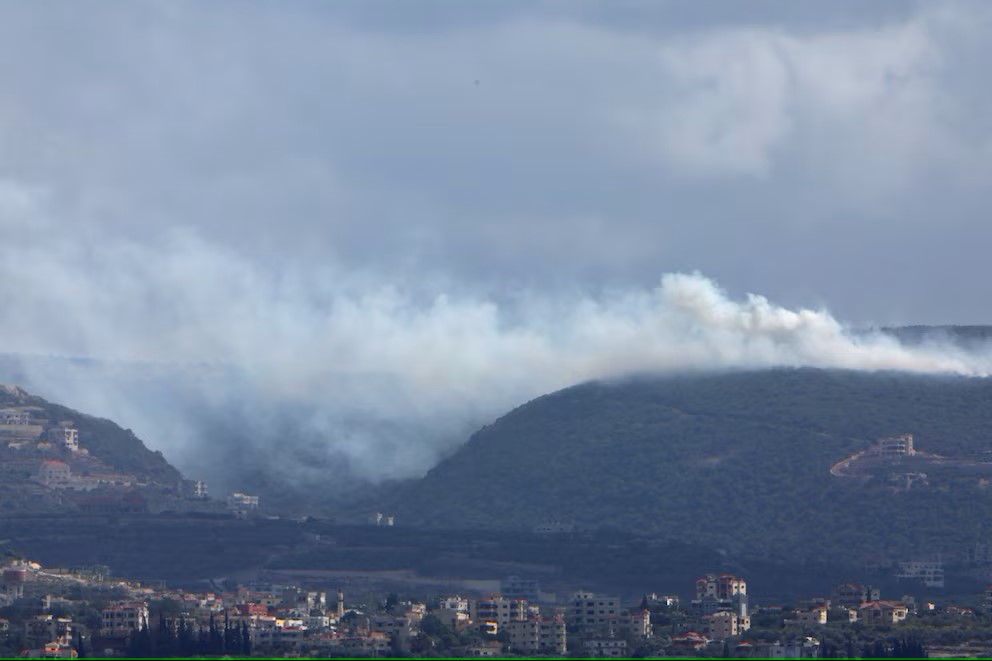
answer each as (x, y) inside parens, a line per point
(320, 374)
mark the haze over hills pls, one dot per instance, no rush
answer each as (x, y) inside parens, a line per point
(734, 460)
(737, 460)
(346, 431)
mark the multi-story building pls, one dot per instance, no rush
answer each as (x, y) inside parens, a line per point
(929, 572)
(636, 624)
(894, 447)
(46, 628)
(590, 610)
(722, 588)
(690, 640)
(536, 635)
(121, 618)
(70, 439)
(720, 593)
(498, 609)
(54, 474)
(720, 625)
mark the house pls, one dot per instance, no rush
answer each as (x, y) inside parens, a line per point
(52, 650)
(54, 474)
(882, 612)
(815, 615)
(690, 640)
(636, 624)
(720, 625)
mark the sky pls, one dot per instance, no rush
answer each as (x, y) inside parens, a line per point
(476, 203)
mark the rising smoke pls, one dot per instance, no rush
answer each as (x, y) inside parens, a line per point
(229, 366)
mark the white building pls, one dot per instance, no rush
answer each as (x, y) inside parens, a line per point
(121, 618)
(242, 502)
(929, 572)
(70, 439)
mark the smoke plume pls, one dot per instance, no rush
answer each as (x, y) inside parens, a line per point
(312, 375)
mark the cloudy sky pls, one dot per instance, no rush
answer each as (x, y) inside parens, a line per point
(453, 195)
(823, 154)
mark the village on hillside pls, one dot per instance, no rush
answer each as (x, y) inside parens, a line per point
(85, 611)
(46, 466)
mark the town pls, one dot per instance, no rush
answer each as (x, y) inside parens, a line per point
(310, 592)
(88, 612)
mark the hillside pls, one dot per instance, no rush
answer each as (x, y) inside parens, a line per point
(738, 460)
(53, 458)
(104, 439)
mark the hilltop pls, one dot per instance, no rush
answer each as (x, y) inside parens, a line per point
(735, 460)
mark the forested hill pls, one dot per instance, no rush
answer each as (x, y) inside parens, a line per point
(737, 460)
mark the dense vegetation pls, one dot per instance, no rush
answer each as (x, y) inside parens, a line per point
(736, 460)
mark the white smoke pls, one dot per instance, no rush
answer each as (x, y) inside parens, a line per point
(371, 373)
